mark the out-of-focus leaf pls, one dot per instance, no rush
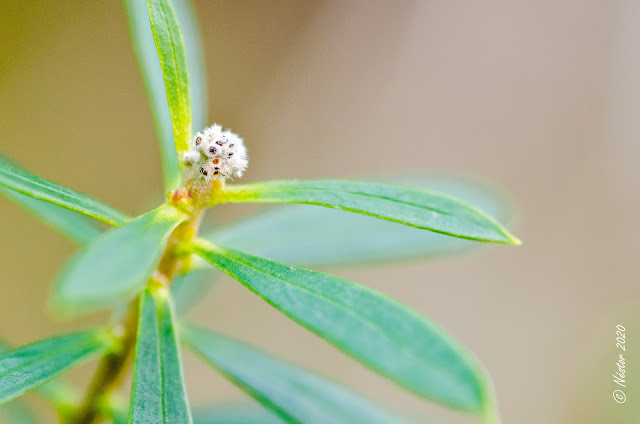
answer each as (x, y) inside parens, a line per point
(30, 366)
(415, 208)
(28, 184)
(234, 414)
(75, 227)
(295, 394)
(145, 50)
(16, 412)
(188, 289)
(173, 60)
(115, 408)
(379, 332)
(158, 394)
(117, 264)
(307, 236)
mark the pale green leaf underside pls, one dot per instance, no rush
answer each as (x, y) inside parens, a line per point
(299, 396)
(145, 50)
(28, 367)
(71, 225)
(158, 394)
(74, 226)
(188, 289)
(377, 331)
(408, 206)
(305, 236)
(235, 413)
(30, 185)
(173, 60)
(117, 264)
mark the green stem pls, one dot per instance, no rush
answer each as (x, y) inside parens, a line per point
(114, 364)
(109, 372)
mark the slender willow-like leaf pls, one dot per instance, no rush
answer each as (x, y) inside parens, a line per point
(145, 50)
(173, 60)
(57, 392)
(195, 61)
(75, 227)
(158, 394)
(117, 264)
(237, 413)
(415, 208)
(28, 367)
(15, 411)
(377, 331)
(306, 236)
(297, 395)
(39, 188)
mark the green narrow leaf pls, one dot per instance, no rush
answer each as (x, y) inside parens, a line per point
(173, 60)
(117, 264)
(297, 395)
(408, 206)
(379, 332)
(145, 50)
(158, 394)
(195, 61)
(75, 227)
(306, 236)
(57, 392)
(31, 366)
(70, 224)
(39, 188)
(244, 413)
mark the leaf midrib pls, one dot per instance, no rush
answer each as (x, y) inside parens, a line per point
(179, 96)
(357, 193)
(369, 323)
(109, 214)
(58, 352)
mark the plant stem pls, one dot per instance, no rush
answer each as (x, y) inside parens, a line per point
(110, 371)
(114, 363)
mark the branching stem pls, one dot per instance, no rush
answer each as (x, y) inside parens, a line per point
(115, 363)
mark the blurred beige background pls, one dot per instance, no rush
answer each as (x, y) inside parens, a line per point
(540, 98)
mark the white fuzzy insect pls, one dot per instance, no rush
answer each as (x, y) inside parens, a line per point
(217, 154)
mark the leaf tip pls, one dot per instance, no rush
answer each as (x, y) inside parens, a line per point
(511, 239)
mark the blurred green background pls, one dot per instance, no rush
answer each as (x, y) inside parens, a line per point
(538, 97)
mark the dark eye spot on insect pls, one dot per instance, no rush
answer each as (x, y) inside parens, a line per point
(216, 171)
(212, 150)
(204, 172)
(230, 154)
(220, 142)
